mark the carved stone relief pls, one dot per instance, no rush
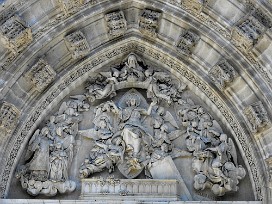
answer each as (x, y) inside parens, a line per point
(15, 34)
(134, 133)
(256, 116)
(70, 6)
(222, 74)
(9, 116)
(248, 31)
(116, 22)
(41, 75)
(77, 44)
(149, 22)
(187, 42)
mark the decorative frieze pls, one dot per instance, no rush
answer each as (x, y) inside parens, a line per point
(256, 116)
(195, 6)
(70, 6)
(187, 42)
(222, 74)
(77, 44)
(116, 22)
(41, 75)
(15, 34)
(248, 31)
(9, 116)
(149, 22)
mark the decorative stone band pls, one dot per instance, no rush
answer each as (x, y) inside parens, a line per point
(85, 68)
(123, 189)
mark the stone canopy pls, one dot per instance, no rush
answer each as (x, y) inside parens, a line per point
(135, 101)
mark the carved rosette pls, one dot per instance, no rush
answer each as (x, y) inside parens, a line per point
(222, 74)
(187, 42)
(249, 30)
(256, 116)
(9, 116)
(116, 23)
(77, 44)
(15, 34)
(41, 75)
(70, 6)
(149, 22)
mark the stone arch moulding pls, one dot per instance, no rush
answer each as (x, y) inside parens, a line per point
(105, 57)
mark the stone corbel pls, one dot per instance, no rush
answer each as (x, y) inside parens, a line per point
(9, 116)
(116, 23)
(222, 74)
(256, 117)
(41, 75)
(77, 44)
(187, 42)
(70, 6)
(250, 29)
(15, 34)
(149, 22)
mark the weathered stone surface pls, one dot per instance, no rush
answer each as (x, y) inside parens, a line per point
(15, 35)
(256, 116)
(187, 42)
(9, 116)
(149, 22)
(77, 44)
(116, 22)
(41, 75)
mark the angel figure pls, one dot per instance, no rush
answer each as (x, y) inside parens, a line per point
(39, 164)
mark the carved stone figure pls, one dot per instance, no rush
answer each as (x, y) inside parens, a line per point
(215, 157)
(70, 6)
(51, 150)
(9, 115)
(187, 42)
(149, 22)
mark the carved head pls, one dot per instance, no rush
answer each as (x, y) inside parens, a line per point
(132, 61)
(133, 100)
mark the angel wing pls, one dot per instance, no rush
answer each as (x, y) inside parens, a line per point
(169, 118)
(232, 151)
(175, 134)
(62, 108)
(32, 145)
(78, 97)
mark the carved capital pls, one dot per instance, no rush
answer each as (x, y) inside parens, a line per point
(77, 44)
(41, 75)
(222, 74)
(256, 116)
(248, 31)
(9, 116)
(70, 6)
(116, 22)
(149, 22)
(15, 34)
(187, 41)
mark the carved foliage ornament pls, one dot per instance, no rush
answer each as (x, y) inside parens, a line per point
(132, 134)
(9, 116)
(41, 75)
(222, 74)
(248, 31)
(187, 42)
(256, 116)
(116, 22)
(77, 44)
(149, 22)
(15, 34)
(70, 6)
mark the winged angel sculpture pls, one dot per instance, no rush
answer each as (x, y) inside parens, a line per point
(131, 133)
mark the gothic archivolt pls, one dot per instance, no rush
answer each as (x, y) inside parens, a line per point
(36, 58)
